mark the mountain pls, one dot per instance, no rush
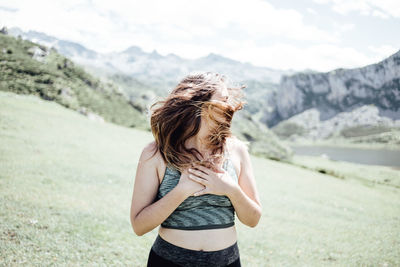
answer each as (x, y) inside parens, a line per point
(30, 68)
(325, 103)
(152, 68)
(361, 121)
(66, 48)
(157, 74)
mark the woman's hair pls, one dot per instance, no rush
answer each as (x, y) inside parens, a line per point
(178, 117)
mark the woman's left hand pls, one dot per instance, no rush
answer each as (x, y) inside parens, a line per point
(216, 183)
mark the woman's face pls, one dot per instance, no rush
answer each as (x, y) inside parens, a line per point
(221, 94)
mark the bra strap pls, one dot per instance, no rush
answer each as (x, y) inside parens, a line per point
(226, 151)
(226, 156)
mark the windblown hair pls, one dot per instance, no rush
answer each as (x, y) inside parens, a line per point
(178, 117)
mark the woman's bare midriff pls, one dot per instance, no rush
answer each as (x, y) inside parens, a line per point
(204, 240)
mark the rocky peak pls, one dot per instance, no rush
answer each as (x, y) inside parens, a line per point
(4, 30)
(133, 50)
(340, 90)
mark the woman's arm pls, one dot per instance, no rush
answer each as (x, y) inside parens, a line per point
(244, 195)
(146, 215)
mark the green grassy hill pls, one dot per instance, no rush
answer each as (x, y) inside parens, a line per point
(29, 68)
(66, 185)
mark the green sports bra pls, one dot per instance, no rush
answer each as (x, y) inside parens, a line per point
(198, 212)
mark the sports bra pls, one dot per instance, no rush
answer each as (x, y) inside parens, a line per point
(206, 211)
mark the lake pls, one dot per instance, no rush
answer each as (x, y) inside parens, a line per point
(357, 155)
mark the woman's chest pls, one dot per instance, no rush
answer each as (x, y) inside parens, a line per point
(234, 167)
(171, 180)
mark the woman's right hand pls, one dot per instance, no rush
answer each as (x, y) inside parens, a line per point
(187, 185)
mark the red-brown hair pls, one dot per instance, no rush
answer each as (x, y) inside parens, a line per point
(178, 117)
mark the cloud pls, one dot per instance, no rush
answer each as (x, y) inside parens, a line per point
(251, 31)
(382, 51)
(321, 57)
(377, 13)
(8, 9)
(311, 11)
(157, 21)
(377, 8)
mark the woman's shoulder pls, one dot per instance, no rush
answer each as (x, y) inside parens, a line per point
(237, 149)
(150, 151)
(152, 155)
(237, 145)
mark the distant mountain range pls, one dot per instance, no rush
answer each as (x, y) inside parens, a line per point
(152, 68)
(326, 103)
(32, 68)
(275, 98)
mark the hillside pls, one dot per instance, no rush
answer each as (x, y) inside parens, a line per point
(341, 104)
(152, 68)
(361, 127)
(32, 68)
(29, 68)
(283, 101)
(340, 90)
(66, 185)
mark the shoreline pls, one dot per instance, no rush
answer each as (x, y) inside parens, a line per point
(344, 144)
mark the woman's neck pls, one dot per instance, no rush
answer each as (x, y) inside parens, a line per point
(197, 143)
(200, 145)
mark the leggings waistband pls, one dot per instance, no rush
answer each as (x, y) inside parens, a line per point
(189, 257)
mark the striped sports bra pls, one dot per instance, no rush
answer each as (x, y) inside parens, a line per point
(207, 211)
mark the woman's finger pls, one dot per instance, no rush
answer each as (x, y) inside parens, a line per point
(220, 169)
(198, 173)
(198, 179)
(201, 192)
(202, 168)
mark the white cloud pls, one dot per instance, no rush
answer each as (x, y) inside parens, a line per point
(311, 11)
(323, 57)
(383, 51)
(378, 8)
(156, 20)
(379, 14)
(345, 27)
(253, 31)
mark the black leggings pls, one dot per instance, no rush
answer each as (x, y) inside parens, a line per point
(165, 254)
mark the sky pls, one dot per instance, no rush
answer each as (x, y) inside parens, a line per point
(321, 35)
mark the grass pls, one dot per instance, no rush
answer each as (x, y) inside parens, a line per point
(57, 78)
(370, 175)
(66, 185)
(118, 98)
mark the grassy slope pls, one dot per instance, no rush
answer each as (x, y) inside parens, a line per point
(66, 185)
(126, 106)
(369, 175)
(58, 79)
(361, 136)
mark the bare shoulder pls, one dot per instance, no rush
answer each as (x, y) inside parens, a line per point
(237, 145)
(151, 158)
(238, 151)
(150, 152)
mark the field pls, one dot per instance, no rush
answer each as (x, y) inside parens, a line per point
(66, 186)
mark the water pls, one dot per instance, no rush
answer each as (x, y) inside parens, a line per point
(357, 155)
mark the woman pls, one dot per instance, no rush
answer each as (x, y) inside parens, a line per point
(194, 176)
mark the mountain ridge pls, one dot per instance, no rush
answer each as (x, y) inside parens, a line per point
(337, 92)
(153, 65)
